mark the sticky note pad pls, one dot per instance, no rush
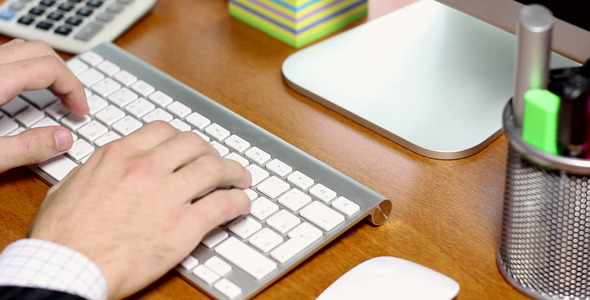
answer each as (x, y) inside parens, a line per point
(541, 120)
(298, 22)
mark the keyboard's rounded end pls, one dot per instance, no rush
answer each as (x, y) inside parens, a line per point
(381, 213)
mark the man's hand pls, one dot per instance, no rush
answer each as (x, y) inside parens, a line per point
(26, 66)
(131, 207)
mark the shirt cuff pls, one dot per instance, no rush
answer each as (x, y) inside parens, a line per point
(43, 264)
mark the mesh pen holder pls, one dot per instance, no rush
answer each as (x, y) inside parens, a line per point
(545, 246)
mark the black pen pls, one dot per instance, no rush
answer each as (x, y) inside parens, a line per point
(573, 117)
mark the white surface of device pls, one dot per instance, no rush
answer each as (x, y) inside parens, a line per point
(388, 277)
(74, 25)
(426, 76)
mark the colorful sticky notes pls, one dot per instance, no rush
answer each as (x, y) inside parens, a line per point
(298, 22)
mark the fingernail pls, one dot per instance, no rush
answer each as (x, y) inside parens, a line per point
(62, 140)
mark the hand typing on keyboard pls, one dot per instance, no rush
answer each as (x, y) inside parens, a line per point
(130, 208)
(33, 66)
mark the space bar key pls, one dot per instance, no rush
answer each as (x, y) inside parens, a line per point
(246, 258)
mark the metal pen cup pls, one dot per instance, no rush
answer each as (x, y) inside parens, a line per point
(545, 246)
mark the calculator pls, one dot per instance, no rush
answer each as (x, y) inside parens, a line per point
(72, 26)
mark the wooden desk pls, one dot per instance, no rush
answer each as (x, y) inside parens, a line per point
(447, 214)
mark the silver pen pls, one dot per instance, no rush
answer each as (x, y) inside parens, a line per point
(535, 28)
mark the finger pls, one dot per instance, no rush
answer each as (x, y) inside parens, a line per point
(149, 136)
(18, 49)
(143, 139)
(208, 173)
(33, 146)
(219, 207)
(39, 73)
(182, 149)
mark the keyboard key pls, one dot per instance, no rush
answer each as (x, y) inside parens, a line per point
(142, 88)
(218, 266)
(57, 111)
(110, 115)
(273, 187)
(158, 114)
(300, 238)
(345, 206)
(76, 66)
(90, 77)
(160, 98)
(106, 87)
(178, 124)
(106, 138)
(205, 137)
(127, 125)
(29, 116)
(108, 67)
(216, 131)
(91, 57)
(45, 122)
(322, 192)
(14, 106)
(237, 143)
(251, 194)
(7, 125)
(279, 167)
(96, 104)
(246, 258)
(206, 274)
(178, 109)
(40, 98)
(258, 174)
(140, 108)
(241, 160)
(322, 216)
(74, 121)
(189, 263)
(301, 180)
(123, 97)
(244, 226)
(265, 240)
(92, 130)
(223, 151)
(294, 199)
(125, 77)
(283, 221)
(198, 120)
(257, 155)
(228, 288)
(58, 167)
(262, 208)
(214, 237)
(80, 149)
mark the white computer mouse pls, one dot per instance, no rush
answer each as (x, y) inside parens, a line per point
(388, 277)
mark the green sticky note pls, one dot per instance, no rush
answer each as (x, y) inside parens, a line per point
(541, 119)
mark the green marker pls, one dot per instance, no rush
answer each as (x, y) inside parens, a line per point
(541, 119)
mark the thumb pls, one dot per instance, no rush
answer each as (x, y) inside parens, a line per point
(33, 146)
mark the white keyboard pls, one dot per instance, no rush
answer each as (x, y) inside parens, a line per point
(70, 25)
(299, 203)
